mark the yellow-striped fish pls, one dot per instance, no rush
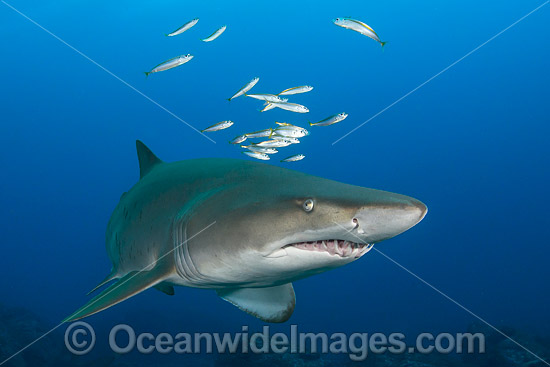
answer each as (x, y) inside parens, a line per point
(294, 107)
(215, 35)
(245, 89)
(296, 90)
(169, 64)
(219, 126)
(257, 155)
(239, 139)
(183, 28)
(259, 134)
(265, 150)
(294, 158)
(358, 26)
(330, 120)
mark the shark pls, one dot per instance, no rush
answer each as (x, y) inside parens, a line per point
(245, 229)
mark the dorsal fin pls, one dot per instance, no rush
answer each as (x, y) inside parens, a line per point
(147, 159)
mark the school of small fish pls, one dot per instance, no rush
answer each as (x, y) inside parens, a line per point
(283, 134)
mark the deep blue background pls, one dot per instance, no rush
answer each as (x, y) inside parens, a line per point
(472, 144)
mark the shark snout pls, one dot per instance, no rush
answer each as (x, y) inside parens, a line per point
(388, 219)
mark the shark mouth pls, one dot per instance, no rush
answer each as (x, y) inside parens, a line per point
(335, 247)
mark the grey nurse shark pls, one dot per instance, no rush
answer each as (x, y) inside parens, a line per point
(245, 229)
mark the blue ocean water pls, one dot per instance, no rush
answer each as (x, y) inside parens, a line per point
(472, 144)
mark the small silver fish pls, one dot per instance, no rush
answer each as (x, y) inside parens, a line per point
(239, 139)
(183, 28)
(266, 97)
(257, 155)
(358, 26)
(245, 89)
(265, 150)
(294, 158)
(286, 138)
(296, 90)
(260, 134)
(291, 131)
(169, 64)
(275, 143)
(293, 107)
(330, 120)
(219, 126)
(215, 35)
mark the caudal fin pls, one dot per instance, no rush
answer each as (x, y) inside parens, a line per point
(146, 73)
(128, 286)
(383, 44)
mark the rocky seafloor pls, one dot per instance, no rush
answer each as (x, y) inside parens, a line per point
(19, 327)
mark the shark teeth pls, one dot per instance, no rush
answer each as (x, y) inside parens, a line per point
(335, 247)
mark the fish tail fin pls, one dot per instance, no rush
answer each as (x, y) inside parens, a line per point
(229, 99)
(383, 44)
(129, 285)
(146, 73)
(310, 123)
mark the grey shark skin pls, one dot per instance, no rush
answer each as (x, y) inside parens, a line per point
(244, 229)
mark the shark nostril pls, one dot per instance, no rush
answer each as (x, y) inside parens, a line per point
(356, 223)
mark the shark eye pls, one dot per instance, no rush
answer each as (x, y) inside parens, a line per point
(308, 205)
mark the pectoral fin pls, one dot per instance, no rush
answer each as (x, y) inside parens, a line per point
(126, 287)
(273, 304)
(165, 288)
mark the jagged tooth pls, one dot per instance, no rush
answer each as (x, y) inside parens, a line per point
(355, 250)
(338, 248)
(324, 246)
(366, 248)
(347, 249)
(335, 249)
(330, 247)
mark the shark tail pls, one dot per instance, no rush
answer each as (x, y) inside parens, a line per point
(129, 285)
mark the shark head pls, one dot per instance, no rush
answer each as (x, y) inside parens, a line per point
(286, 225)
